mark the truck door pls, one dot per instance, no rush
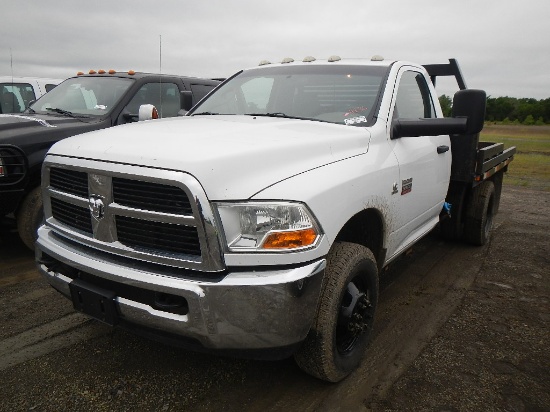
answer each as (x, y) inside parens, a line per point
(424, 161)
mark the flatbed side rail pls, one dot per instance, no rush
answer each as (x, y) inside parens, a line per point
(492, 158)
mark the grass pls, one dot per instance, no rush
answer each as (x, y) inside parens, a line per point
(531, 164)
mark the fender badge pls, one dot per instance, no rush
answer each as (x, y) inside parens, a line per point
(406, 186)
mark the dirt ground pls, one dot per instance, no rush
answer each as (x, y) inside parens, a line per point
(458, 328)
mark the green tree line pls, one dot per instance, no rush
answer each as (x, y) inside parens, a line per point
(509, 110)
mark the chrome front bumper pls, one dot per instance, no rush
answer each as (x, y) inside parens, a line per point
(246, 310)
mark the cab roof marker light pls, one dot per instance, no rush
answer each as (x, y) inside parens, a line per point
(264, 62)
(376, 58)
(287, 60)
(112, 71)
(101, 71)
(131, 72)
(334, 59)
(309, 59)
(79, 73)
(92, 72)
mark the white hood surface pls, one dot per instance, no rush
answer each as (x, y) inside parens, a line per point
(233, 157)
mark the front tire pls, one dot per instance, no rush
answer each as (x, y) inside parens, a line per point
(30, 216)
(340, 333)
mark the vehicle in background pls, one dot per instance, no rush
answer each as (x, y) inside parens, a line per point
(80, 104)
(16, 93)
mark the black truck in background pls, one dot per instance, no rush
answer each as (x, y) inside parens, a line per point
(80, 104)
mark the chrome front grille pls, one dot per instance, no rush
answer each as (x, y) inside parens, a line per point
(69, 181)
(142, 213)
(72, 215)
(146, 195)
(158, 236)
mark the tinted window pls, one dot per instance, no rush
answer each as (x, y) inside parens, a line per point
(164, 96)
(200, 90)
(50, 87)
(413, 97)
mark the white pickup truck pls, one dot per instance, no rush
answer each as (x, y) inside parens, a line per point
(16, 93)
(257, 225)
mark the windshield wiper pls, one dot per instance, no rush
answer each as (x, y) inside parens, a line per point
(204, 114)
(276, 114)
(64, 112)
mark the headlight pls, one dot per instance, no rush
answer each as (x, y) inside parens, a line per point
(267, 227)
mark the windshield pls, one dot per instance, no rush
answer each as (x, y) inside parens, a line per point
(336, 94)
(88, 96)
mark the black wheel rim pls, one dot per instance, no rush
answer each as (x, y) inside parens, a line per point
(355, 316)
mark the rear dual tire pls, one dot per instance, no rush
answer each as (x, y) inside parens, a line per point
(480, 212)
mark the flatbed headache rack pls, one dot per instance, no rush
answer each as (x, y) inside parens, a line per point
(446, 69)
(473, 161)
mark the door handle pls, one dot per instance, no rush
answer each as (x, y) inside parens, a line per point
(442, 149)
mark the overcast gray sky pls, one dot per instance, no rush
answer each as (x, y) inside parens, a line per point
(501, 46)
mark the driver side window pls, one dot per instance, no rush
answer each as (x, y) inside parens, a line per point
(164, 96)
(413, 98)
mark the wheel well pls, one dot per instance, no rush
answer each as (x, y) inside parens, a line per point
(366, 228)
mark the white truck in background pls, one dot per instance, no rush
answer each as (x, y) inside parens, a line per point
(258, 224)
(16, 93)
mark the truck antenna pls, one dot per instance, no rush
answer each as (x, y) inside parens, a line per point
(160, 72)
(11, 65)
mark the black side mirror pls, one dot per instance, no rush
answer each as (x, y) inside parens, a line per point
(428, 127)
(470, 103)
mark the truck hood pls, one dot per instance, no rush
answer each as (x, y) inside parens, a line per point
(32, 130)
(35, 121)
(233, 157)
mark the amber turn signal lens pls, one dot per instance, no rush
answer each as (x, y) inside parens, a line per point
(290, 240)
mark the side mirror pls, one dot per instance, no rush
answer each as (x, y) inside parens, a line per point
(186, 100)
(428, 127)
(470, 103)
(147, 112)
(468, 117)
